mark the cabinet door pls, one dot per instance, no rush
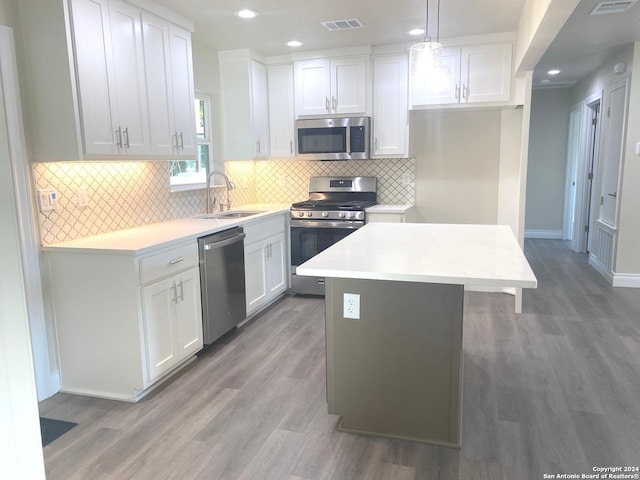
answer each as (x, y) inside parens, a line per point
(182, 88)
(391, 125)
(281, 112)
(312, 87)
(438, 86)
(130, 83)
(348, 85)
(95, 73)
(486, 73)
(259, 109)
(189, 313)
(157, 63)
(255, 258)
(159, 303)
(276, 266)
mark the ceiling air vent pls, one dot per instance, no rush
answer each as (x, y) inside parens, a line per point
(618, 6)
(343, 24)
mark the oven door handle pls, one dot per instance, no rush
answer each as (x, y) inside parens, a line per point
(347, 224)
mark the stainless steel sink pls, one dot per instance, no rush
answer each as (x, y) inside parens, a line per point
(231, 214)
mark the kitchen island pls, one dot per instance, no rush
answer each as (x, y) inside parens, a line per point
(396, 369)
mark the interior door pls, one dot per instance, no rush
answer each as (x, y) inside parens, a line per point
(612, 155)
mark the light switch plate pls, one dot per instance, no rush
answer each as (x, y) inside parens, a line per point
(47, 199)
(351, 305)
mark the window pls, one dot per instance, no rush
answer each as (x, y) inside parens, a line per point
(192, 174)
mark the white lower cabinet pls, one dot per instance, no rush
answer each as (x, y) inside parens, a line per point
(265, 262)
(124, 321)
(391, 214)
(172, 321)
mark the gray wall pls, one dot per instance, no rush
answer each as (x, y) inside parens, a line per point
(457, 165)
(547, 161)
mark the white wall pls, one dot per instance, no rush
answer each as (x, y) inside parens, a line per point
(627, 260)
(547, 162)
(457, 165)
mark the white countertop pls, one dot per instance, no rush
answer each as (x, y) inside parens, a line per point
(480, 255)
(139, 240)
(389, 208)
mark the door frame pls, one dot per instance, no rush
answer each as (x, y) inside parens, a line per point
(571, 175)
(588, 163)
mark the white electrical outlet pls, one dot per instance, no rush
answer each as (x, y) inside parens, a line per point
(351, 305)
(82, 198)
(406, 179)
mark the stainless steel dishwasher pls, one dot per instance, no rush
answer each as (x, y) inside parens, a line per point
(222, 282)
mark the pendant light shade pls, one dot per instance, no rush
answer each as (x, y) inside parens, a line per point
(426, 55)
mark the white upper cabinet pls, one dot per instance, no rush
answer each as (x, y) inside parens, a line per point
(96, 76)
(469, 74)
(245, 104)
(331, 86)
(390, 111)
(260, 108)
(182, 90)
(97, 79)
(132, 131)
(281, 110)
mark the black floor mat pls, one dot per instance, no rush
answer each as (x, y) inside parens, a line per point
(51, 429)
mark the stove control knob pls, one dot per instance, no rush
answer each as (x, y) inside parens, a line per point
(309, 214)
(350, 215)
(301, 214)
(341, 214)
(325, 214)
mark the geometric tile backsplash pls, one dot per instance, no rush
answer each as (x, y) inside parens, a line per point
(134, 193)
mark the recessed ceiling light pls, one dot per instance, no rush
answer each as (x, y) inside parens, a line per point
(416, 31)
(246, 13)
(295, 43)
(555, 71)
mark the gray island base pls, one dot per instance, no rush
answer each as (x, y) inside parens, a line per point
(396, 371)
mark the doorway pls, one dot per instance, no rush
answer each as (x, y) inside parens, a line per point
(587, 162)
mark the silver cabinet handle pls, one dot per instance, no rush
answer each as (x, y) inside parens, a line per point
(465, 91)
(334, 104)
(291, 146)
(326, 104)
(266, 251)
(614, 194)
(126, 136)
(175, 292)
(457, 92)
(375, 144)
(181, 141)
(119, 136)
(181, 285)
(258, 147)
(270, 251)
(175, 137)
(176, 260)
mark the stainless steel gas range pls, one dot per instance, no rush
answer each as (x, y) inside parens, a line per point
(335, 208)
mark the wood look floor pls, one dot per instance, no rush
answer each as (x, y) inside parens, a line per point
(553, 390)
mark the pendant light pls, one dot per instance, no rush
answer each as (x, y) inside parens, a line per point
(426, 55)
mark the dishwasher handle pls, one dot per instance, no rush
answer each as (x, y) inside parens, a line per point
(224, 242)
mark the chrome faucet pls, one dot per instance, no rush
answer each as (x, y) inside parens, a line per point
(229, 186)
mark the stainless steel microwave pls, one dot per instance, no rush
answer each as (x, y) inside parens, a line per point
(333, 138)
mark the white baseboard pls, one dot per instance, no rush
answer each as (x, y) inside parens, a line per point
(546, 234)
(626, 280)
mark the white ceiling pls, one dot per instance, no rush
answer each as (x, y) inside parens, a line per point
(585, 41)
(386, 21)
(581, 46)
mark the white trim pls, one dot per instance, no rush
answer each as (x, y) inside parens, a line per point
(476, 288)
(21, 454)
(629, 280)
(593, 261)
(546, 234)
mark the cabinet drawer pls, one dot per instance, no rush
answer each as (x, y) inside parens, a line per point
(267, 228)
(168, 262)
